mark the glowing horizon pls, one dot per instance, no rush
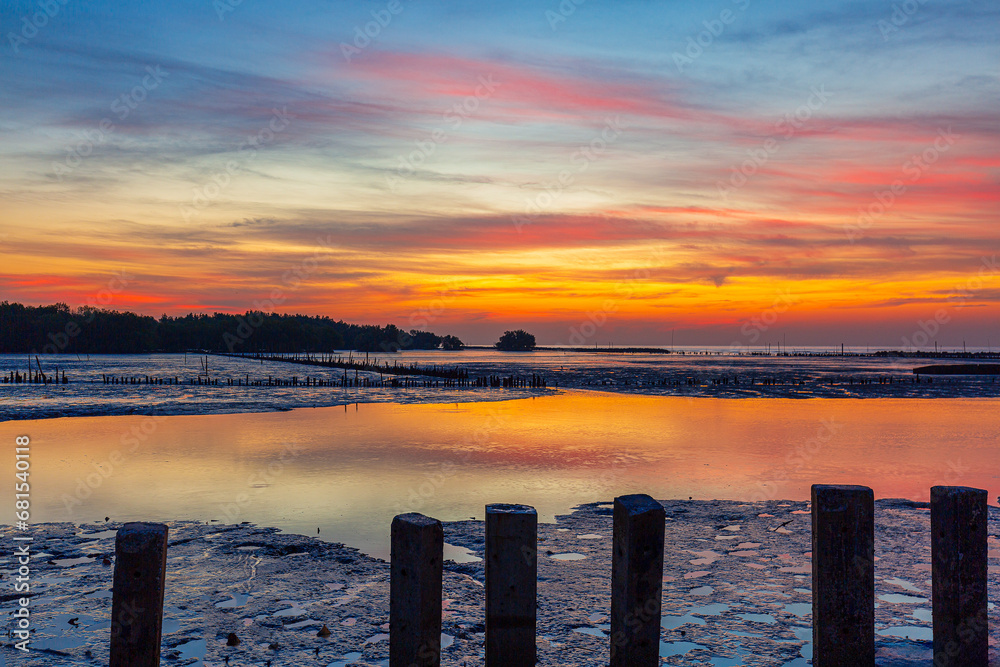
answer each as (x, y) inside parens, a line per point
(734, 173)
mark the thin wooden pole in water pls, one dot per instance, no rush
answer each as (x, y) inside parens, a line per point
(137, 598)
(959, 566)
(417, 555)
(843, 575)
(511, 585)
(636, 581)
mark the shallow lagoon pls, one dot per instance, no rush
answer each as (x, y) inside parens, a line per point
(347, 471)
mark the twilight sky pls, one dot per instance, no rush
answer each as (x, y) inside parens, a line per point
(734, 170)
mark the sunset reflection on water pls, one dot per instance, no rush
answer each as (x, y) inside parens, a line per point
(347, 471)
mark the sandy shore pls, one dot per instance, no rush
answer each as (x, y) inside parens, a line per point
(736, 591)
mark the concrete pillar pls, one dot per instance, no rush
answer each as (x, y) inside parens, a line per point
(511, 585)
(843, 575)
(417, 548)
(958, 553)
(636, 581)
(137, 594)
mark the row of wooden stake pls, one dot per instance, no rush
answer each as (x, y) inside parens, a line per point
(843, 583)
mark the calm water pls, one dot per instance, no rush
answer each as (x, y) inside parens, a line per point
(348, 470)
(720, 375)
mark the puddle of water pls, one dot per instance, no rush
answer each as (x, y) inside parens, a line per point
(668, 649)
(193, 649)
(294, 610)
(674, 622)
(349, 622)
(702, 590)
(899, 598)
(569, 556)
(739, 633)
(594, 632)
(759, 618)
(459, 554)
(597, 616)
(731, 528)
(799, 608)
(802, 590)
(590, 536)
(70, 562)
(235, 600)
(98, 594)
(346, 660)
(902, 583)
(908, 632)
(801, 569)
(301, 624)
(748, 545)
(696, 575)
(923, 614)
(713, 609)
(381, 637)
(102, 535)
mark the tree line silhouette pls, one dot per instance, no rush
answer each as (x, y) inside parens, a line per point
(57, 329)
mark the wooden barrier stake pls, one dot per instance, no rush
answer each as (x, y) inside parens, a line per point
(415, 591)
(958, 556)
(843, 575)
(137, 598)
(636, 581)
(511, 585)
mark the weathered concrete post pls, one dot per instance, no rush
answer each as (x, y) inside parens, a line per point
(511, 585)
(843, 575)
(636, 581)
(137, 594)
(417, 552)
(958, 556)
